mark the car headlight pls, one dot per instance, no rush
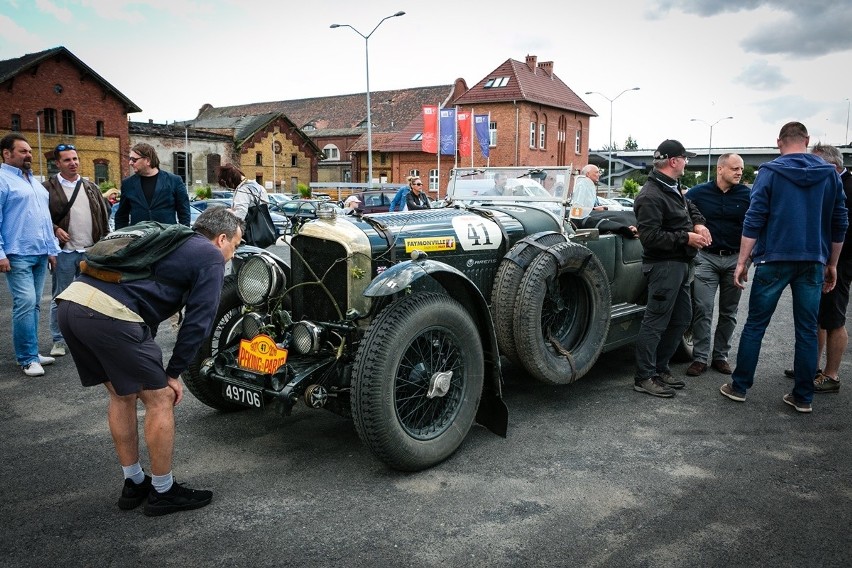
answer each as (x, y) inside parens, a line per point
(259, 280)
(306, 337)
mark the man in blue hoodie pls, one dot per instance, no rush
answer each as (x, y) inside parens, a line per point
(793, 232)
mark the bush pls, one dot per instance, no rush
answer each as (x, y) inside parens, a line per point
(106, 185)
(304, 190)
(203, 192)
(631, 187)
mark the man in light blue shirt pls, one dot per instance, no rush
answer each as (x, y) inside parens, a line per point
(27, 247)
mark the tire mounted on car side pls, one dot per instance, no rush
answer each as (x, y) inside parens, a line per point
(562, 313)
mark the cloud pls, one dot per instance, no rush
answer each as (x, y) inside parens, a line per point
(800, 29)
(12, 34)
(64, 15)
(762, 76)
(784, 109)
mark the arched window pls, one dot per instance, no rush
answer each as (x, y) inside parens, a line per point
(578, 141)
(542, 131)
(331, 152)
(533, 129)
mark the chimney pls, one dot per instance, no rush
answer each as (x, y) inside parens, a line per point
(547, 67)
(531, 59)
(150, 121)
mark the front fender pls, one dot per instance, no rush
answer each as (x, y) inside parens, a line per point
(492, 413)
(400, 276)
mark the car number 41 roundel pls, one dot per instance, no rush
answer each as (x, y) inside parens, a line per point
(475, 233)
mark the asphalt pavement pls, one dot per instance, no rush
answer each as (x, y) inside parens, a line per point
(592, 474)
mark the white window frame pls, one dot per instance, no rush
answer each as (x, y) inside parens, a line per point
(492, 134)
(532, 134)
(542, 135)
(433, 180)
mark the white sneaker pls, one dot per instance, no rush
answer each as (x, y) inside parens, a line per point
(59, 349)
(43, 360)
(34, 369)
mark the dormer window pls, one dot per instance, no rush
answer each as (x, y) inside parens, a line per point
(496, 82)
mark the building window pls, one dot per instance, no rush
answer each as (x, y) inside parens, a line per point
(49, 121)
(542, 130)
(101, 172)
(292, 160)
(331, 152)
(492, 134)
(578, 140)
(347, 176)
(532, 134)
(433, 180)
(69, 127)
(417, 137)
(414, 173)
(99, 129)
(496, 82)
(383, 158)
(259, 179)
(258, 159)
(182, 167)
(16, 123)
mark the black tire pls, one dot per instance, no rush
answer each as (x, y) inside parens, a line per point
(207, 391)
(505, 294)
(684, 349)
(410, 341)
(568, 308)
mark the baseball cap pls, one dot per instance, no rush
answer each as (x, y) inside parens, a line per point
(672, 149)
(352, 198)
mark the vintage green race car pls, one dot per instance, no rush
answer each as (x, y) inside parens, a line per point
(399, 320)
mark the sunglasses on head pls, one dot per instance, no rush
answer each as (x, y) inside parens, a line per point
(63, 147)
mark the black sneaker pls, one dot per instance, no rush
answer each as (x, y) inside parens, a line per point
(132, 494)
(655, 387)
(824, 383)
(177, 498)
(799, 406)
(671, 382)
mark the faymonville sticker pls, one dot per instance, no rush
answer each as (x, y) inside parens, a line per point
(430, 244)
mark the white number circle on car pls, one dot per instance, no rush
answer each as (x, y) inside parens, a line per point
(475, 233)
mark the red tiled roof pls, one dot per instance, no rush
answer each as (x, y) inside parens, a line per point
(533, 82)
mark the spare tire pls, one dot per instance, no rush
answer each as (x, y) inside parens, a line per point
(506, 285)
(562, 314)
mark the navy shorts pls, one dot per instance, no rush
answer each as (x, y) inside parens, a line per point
(106, 349)
(832, 306)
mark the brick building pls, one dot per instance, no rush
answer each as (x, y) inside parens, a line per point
(52, 97)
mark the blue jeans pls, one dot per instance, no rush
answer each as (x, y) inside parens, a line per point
(26, 284)
(67, 269)
(805, 281)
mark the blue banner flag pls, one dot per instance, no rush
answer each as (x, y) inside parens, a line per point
(480, 126)
(448, 131)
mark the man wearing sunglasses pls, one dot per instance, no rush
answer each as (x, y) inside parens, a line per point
(672, 232)
(151, 194)
(80, 218)
(27, 247)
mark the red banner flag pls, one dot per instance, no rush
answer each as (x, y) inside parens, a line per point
(465, 126)
(429, 142)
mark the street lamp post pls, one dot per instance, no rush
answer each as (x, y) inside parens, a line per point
(710, 143)
(609, 158)
(367, 62)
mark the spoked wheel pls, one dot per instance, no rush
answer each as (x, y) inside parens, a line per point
(417, 380)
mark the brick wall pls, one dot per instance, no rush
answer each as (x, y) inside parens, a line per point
(59, 84)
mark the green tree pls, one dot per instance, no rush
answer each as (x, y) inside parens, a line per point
(630, 143)
(748, 174)
(631, 188)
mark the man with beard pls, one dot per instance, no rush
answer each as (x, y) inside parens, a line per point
(27, 247)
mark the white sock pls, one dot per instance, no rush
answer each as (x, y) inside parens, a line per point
(162, 483)
(134, 473)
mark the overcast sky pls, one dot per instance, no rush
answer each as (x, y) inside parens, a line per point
(764, 62)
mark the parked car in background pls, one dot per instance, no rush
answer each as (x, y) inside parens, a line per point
(625, 201)
(299, 211)
(278, 198)
(194, 212)
(282, 224)
(374, 201)
(613, 205)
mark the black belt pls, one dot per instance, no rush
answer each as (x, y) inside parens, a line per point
(723, 252)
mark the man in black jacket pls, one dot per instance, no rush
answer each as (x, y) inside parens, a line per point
(672, 231)
(110, 327)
